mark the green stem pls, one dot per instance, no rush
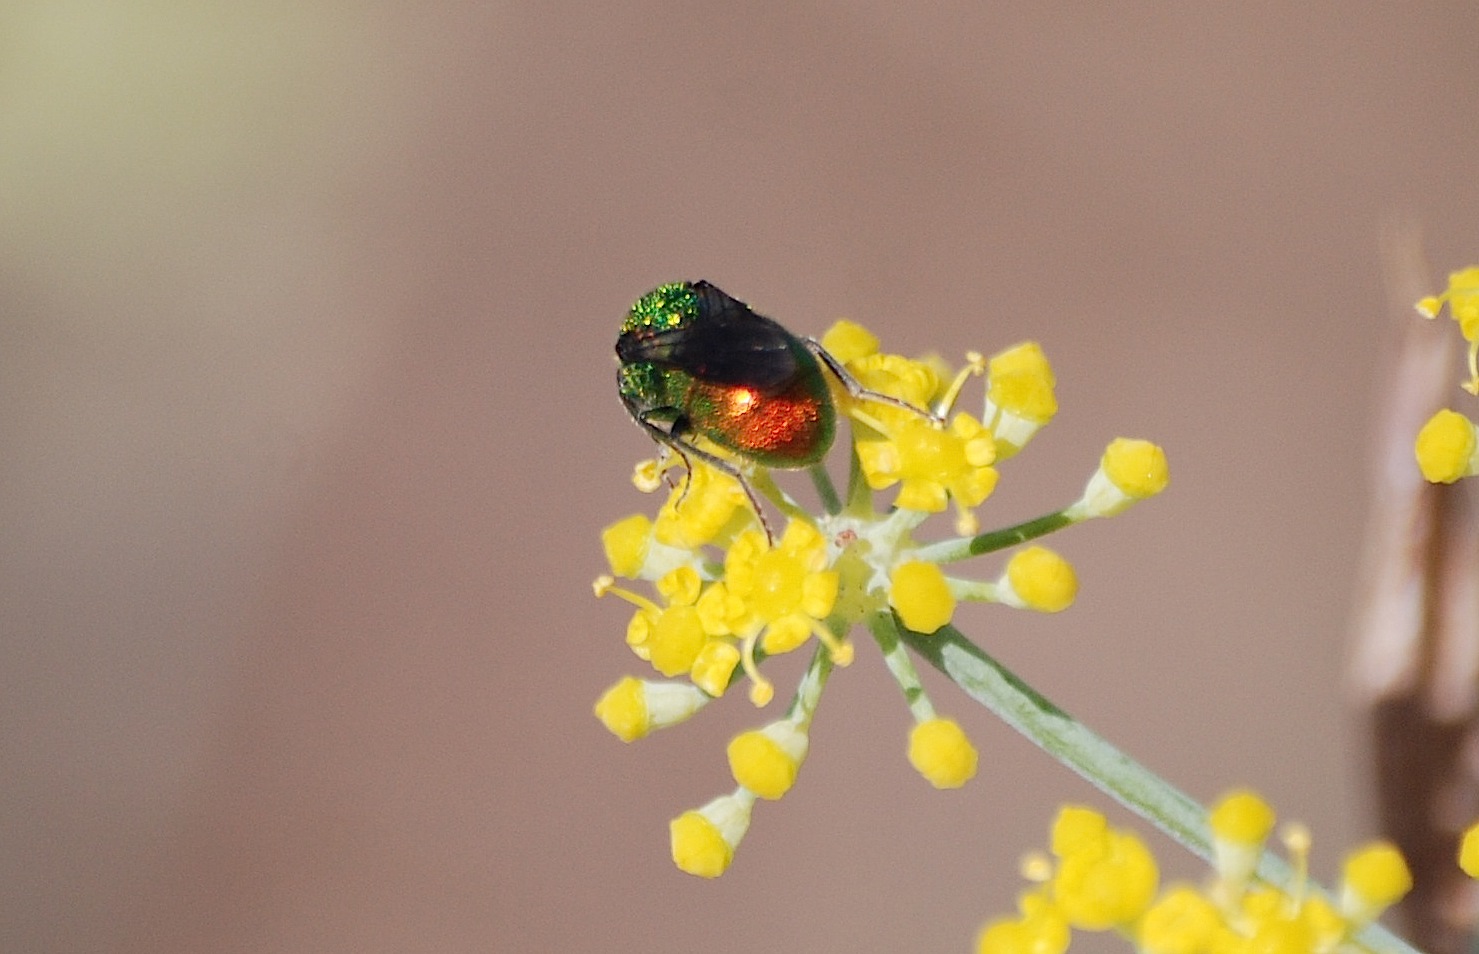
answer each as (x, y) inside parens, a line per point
(859, 497)
(961, 548)
(831, 503)
(902, 667)
(809, 690)
(1100, 763)
(763, 482)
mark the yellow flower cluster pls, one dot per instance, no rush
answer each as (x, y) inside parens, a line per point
(1447, 447)
(726, 592)
(1100, 878)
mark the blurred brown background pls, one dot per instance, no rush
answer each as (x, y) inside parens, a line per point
(309, 429)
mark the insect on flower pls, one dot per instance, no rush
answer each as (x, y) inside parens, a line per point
(707, 377)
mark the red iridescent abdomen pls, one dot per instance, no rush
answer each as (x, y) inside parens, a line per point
(787, 429)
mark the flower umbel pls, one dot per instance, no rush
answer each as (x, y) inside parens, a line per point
(729, 592)
(1102, 878)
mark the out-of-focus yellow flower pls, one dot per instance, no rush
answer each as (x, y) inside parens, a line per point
(1447, 448)
(1462, 297)
(1103, 878)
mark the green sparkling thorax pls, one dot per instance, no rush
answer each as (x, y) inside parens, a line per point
(648, 386)
(662, 309)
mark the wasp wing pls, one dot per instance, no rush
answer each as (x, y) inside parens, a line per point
(728, 344)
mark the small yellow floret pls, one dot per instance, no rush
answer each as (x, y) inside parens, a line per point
(1468, 851)
(623, 710)
(680, 587)
(1039, 930)
(1077, 828)
(914, 382)
(698, 847)
(647, 474)
(1019, 397)
(674, 639)
(625, 543)
(1242, 817)
(932, 464)
(921, 595)
(702, 508)
(1136, 467)
(1446, 448)
(1181, 922)
(1130, 470)
(1040, 579)
(1021, 380)
(1374, 878)
(1462, 296)
(1240, 822)
(704, 841)
(714, 666)
(940, 751)
(766, 760)
(633, 707)
(1280, 932)
(1108, 888)
(848, 341)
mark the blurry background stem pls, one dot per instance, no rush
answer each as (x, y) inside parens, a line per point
(1416, 625)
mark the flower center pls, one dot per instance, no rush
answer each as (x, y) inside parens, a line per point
(927, 453)
(778, 583)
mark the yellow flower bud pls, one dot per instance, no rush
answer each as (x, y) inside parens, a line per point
(921, 595)
(1037, 578)
(1096, 890)
(714, 666)
(625, 543)
(847, 341)
(633, 707)
(704, 840)
(1468, 852)
(1240, 821)
(1138, 468)
(1446, 448)
(1373, 879)
(1077, 828)
(1130, 470)
(766, 761)
(1242, 817)
(1019, 396)
(940, 751)
(1181, 922)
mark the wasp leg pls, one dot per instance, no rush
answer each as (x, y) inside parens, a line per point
(855, 388)
(673, 438)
